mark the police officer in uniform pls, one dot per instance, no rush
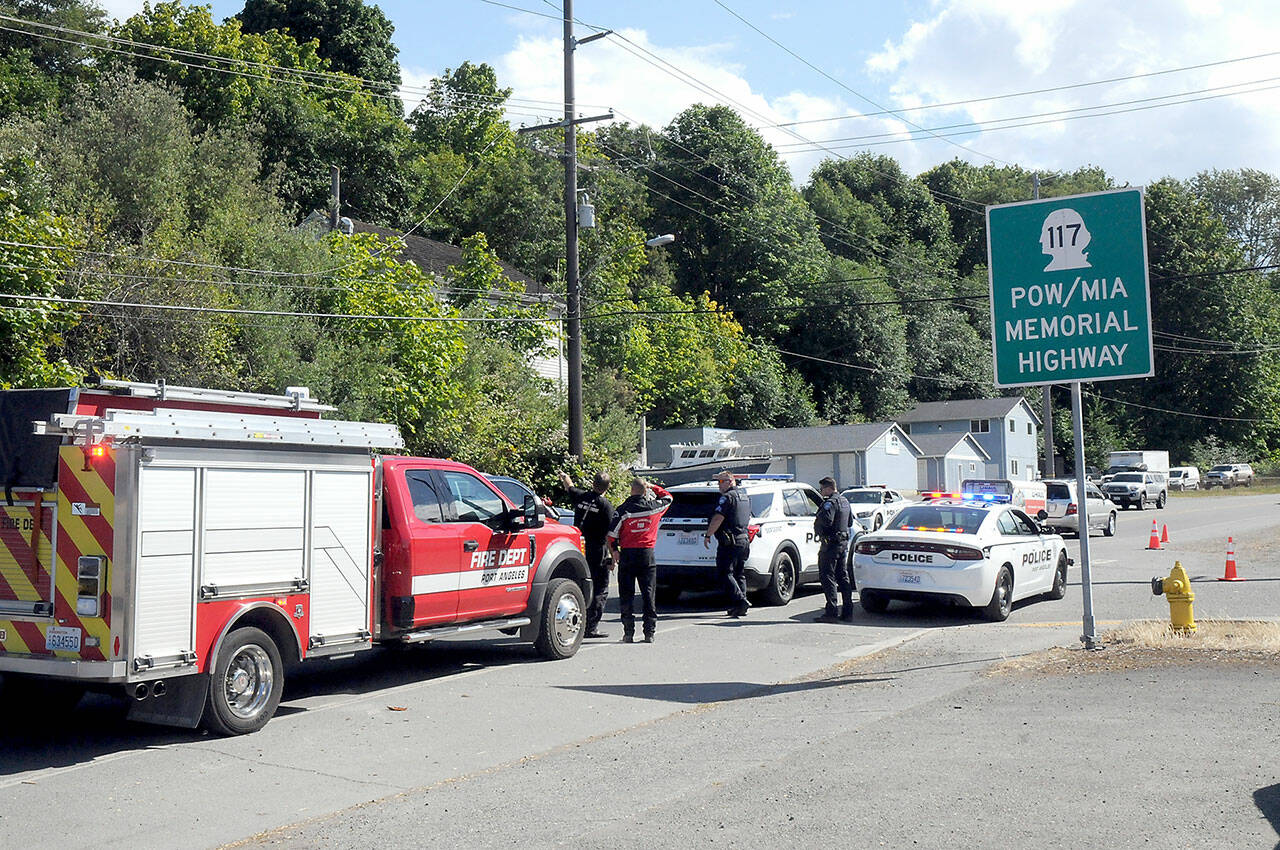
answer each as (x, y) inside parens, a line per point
(593, 515)
(831, 527)
(729, 527)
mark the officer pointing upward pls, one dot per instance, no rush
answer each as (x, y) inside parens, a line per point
(831, 526)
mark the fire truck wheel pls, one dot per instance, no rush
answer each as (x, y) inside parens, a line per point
(247, 682)
(563, 620)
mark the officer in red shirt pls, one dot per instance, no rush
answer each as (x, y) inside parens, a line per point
(634, 532)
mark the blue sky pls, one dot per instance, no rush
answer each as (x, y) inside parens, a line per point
(900, 56)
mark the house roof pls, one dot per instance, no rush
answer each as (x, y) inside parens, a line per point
(435, 257)
(825, 438)
(941, 445)
(967, 408)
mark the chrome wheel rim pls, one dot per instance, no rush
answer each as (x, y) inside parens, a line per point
(249, 681)
(568, 620)
(1005, 590)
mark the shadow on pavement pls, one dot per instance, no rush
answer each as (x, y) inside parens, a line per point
(698, 693)
(98, 727)
(1268, 802)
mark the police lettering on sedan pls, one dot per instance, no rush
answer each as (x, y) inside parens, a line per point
(975, 550)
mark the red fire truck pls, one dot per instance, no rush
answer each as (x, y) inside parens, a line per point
(183, 545)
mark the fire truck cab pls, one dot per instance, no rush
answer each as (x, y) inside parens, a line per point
(184, 545)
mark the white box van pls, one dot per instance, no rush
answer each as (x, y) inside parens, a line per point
(1184, 478)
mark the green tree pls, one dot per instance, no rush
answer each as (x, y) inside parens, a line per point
(353, 36)
(463, 112)
(744, 235)
(37, 72)
(1248, 201)
(481, 290)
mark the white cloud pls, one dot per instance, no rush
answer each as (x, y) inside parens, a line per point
(977, 48)
(609, 74)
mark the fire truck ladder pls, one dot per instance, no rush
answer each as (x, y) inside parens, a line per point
(295, 398)
(208, 426)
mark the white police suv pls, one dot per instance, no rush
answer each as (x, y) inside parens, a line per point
(784, 552)
(969, 549)
(874, 506)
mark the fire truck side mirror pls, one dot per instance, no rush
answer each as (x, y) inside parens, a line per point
(532, 513)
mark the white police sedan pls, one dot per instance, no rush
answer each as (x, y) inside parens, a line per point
(967, 549)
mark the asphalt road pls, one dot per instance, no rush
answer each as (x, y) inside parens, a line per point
(722, 732)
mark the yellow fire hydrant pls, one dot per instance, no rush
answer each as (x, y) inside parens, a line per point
(1177, 589)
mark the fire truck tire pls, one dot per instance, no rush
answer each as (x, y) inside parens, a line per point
(246, 684)
(562, 621)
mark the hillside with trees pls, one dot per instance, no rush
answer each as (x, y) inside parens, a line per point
(156, 174)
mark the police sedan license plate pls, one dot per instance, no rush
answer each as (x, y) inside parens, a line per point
(62, 638)
(909, 578)
(686, 539)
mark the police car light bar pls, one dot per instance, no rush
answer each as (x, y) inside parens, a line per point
(970, 497)
(759, 476)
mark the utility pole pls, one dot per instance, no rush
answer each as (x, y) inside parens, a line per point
(1046, 392)
(573, 299)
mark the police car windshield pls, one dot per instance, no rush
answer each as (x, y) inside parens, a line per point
(1128, 476)
(954, 518)
(701, 504)
(870, 497)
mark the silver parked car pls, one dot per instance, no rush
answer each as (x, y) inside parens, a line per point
(1064, 508)
(1137, 489)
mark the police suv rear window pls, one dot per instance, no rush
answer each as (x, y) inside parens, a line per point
(701, 505)
(952, 518)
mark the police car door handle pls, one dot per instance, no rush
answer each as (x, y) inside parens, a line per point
(470, 546)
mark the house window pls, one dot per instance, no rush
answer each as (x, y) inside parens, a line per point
(906, 428)
(1013, 427)
(1029, 431)
(893, 445)
(979, 426)
(972, 466)
(1013, 467)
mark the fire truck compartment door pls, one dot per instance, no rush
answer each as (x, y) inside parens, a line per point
(165, 585)
(341, 517)
(253, 528)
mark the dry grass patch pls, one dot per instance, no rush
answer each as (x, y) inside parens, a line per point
(1151, 643)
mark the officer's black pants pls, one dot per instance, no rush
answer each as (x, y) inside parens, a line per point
(731, 563)
(833, 571)
(599, 583)
(637, 566)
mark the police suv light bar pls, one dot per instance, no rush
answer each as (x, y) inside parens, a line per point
(999, 498)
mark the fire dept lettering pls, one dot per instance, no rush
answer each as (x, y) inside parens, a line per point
(499, 558)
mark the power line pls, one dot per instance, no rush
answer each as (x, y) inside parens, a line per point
(1029, 92)
(983, 126)
(1174, 412)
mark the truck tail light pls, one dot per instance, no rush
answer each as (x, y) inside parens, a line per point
(1072, 509)
(90, 572)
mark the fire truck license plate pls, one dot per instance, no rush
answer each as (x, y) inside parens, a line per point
(62, 638)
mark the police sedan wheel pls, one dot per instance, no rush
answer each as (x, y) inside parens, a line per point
(1001, 604)
(1059, 588)
(1109, 530)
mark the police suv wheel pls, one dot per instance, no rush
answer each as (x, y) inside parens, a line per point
(246, 684)
(1109, 530)
(1162, 501)
(1059, 588)
(873, 602)
(879, 521)
(783, 577)
(563, 620)
(1001, 604)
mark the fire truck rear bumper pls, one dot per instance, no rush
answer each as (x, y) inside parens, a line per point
(65, 668)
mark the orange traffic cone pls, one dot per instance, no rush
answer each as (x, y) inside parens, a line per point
(1164, 532)
(1230, 574)
(1155, 536)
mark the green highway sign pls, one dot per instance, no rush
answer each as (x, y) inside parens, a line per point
(1070, 298)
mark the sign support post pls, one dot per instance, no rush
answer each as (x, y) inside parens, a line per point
(1090, 636)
